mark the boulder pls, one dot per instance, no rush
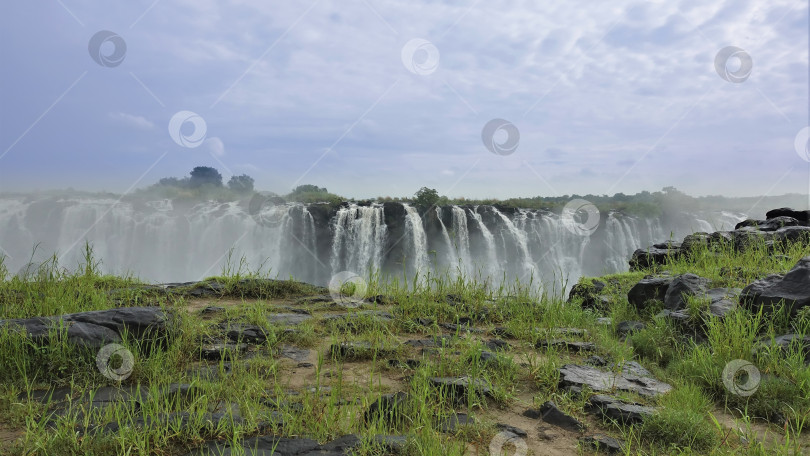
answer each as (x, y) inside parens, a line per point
(648, 289)
(801, 216)
(792, 289)
(793, 234)
(681, 288)
(656, 255)
(588, 293)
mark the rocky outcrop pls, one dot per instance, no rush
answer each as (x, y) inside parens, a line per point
(781, 226)
(96, 328)
(791, 289)
(802, 216)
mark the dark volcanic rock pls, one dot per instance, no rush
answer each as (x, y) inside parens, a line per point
(645, 290)
(601, 442)
(784, 342)
(611, 408)
(451, 424)
(390, 408)
(793, 289)
(682, 287)
(244, 333)
(588, 293)
(624, 328)
(217, 351)
(294, 353)
(288, 319)
(567, 345)
(97, 328)
(598, 380)
(655, 255)
(801, 216)
(458, 387)
(800, 234)
(551, 414)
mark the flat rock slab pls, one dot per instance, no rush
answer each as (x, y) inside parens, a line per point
(604, 443)
(459, 386)
(96, 328)
(430, 342)
(288, 319)
(379, 315)
(566, 345)
(452, 423)
(357, 350)
(294, 353)
(578, 376)
(611, 408)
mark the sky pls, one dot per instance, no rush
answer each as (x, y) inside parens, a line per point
(477, 99)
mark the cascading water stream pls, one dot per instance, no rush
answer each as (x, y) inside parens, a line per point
(359, 239)
(452, 256)
(417, 241)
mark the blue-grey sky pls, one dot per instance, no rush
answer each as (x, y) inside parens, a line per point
(607, 97)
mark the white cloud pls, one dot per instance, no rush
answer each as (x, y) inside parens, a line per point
(132, 120)
(214, 146)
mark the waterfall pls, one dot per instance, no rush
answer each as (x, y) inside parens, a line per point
(452, 256)
(462, 236)
(491, 255)
(164, 240)
(359, 239)
(416, 240)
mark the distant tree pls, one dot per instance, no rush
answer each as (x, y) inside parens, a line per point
(173, 182)
(426, 197)
(205, 175)
(308, 188)
(241, 184)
